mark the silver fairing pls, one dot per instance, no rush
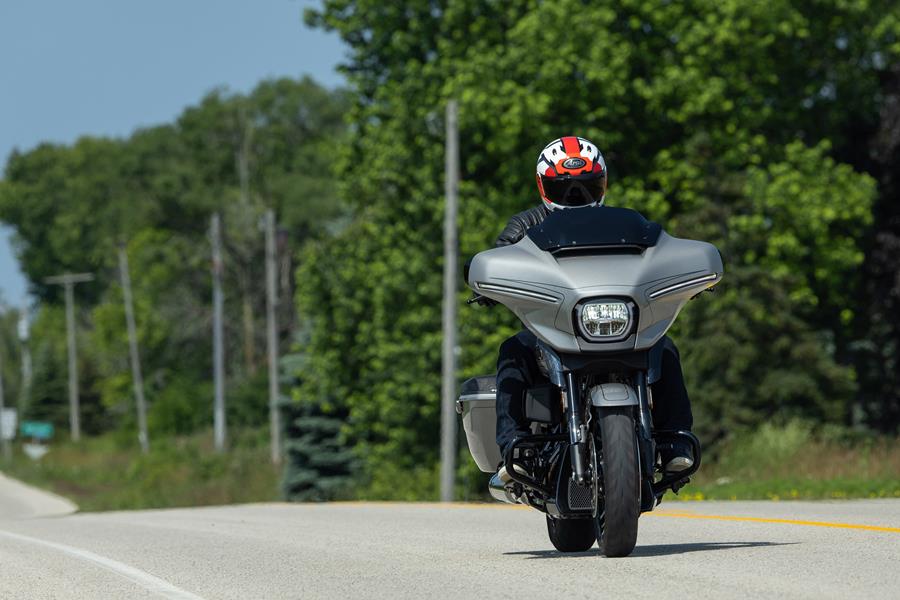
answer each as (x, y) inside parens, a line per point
(542, 289)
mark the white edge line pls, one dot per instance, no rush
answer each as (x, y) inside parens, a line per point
(146, 580)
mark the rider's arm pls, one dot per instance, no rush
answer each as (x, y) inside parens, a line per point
(520, 223)
(512, 233)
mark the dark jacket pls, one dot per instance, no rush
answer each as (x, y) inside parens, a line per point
(520, 223)
(513, 232)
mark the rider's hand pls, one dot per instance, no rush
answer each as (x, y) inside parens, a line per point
(482, 300)
(485, 301)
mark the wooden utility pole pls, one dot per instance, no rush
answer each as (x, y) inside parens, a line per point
(3, 441)
(243, 156)
(68, 281)
(25, 388)
(448, 381)
(218, 348)
(137, 378)
(272, 337)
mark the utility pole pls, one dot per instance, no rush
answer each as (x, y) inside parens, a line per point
(448, 382)
(218, 349)
(137, 378)
(3, 441)
(25, 388)
(68, 281)
(272, 338)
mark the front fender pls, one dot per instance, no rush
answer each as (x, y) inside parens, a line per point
(608, 395)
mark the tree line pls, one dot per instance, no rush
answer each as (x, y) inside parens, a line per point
(154, 192)
(769, 129)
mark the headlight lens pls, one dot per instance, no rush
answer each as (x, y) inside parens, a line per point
(605, 319)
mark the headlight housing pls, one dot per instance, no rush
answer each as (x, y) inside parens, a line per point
(604, 320)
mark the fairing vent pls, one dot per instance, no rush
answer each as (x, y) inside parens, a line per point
(574, 251)
(706, 280)
(518, 292)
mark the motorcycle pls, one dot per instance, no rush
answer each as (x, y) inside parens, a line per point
(599, 287)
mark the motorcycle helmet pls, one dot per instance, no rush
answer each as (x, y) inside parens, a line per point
(571, 173)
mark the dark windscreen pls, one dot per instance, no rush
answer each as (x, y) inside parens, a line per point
(596, 226)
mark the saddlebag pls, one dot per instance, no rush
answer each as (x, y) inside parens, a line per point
(477, 405)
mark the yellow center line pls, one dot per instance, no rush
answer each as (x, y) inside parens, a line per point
(426, 504)
(659, 513)
(686, 515)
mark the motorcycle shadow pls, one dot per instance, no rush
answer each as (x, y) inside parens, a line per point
(653, 549)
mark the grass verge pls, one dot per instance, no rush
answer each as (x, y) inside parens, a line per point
(110, 473)
(774, 462)
(796, 461)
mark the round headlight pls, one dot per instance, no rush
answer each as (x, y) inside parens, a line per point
(605, 319)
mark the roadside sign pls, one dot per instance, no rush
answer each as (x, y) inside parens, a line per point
(35, 451)
(8, 420)
(40, 430)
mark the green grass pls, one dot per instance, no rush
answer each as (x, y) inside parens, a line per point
(109, 472)
(797, 461)
(775, 462)
(790, 461)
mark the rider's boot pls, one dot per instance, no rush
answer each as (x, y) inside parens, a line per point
(676, 457)
(522, 466)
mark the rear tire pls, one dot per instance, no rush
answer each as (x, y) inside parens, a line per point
(620, 507)
(571, 535)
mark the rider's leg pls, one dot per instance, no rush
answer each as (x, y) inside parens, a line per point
(672, 408)
(671, 404)
(516, 370)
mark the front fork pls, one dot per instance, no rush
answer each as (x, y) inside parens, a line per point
(646, 445)
(578, 432)
(645, 432)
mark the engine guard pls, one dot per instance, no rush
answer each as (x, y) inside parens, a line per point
(535, 440)
(676, 481)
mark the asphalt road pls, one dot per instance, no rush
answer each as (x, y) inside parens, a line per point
(687, 550)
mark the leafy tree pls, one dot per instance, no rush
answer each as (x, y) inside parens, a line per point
(48, 398)
(10, 356)
(876, 352)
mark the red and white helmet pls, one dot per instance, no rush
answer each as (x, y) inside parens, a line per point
(571, 173)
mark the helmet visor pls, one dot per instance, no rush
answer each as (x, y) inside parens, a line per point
(573, 192)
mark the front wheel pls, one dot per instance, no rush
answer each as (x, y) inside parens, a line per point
(571, 535)
(620, 506)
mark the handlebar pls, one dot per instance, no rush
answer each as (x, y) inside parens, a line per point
(481, 300)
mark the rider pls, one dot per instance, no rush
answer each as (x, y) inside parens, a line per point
(571, 174)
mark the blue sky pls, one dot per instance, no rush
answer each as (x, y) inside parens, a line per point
(107, 67)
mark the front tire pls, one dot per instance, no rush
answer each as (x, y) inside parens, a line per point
(618, 512)
(571, 535)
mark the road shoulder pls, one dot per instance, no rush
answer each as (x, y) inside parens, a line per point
(21, 501)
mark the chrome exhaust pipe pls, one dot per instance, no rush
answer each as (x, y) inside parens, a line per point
(500, 492)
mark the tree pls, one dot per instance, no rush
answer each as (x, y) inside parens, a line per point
(319, 464)
(876, 353)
